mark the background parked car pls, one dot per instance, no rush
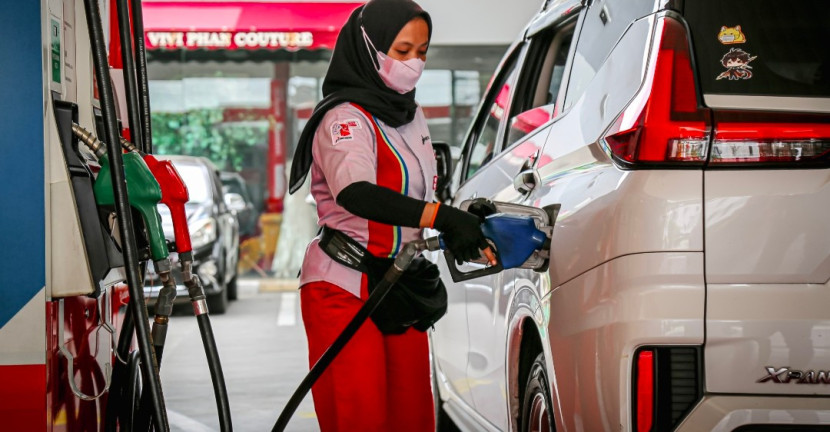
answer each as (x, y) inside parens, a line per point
(689, 276)
(214, 233)
(239, 201)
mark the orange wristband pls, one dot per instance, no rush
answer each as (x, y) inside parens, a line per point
(428, 216)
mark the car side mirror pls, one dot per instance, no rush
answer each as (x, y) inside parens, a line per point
(443, 157)
(235, 202)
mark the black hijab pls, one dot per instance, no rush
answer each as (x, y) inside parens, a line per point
(353, 77)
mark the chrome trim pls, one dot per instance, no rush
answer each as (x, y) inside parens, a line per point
(104, 314)
(70, 362)
(768, 103)
(200, 307)
(555, 12)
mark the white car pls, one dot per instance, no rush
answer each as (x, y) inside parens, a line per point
(688, 144)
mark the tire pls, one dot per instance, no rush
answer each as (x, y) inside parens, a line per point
(537, 415)
(231, 288)
(218, 303)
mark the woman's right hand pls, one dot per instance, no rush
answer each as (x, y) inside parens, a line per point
(462, 233)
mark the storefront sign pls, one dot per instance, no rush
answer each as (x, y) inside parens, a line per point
(229, 40)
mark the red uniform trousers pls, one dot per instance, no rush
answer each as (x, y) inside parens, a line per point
(378, 382)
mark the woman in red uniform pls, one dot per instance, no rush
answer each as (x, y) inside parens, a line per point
(373, 174)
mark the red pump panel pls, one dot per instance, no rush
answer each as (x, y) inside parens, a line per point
(174, 195)
(21, 397)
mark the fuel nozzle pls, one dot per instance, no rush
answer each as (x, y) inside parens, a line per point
(142, 188)
(144, 193)
(174, 194)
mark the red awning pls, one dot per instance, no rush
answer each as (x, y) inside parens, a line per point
(174, 25)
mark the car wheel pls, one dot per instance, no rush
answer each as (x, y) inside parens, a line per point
(537, 414)
(218, 303)
(231, 288)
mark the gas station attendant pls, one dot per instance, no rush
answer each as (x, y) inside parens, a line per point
(373, 174)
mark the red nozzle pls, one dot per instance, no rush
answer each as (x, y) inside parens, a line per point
(174, 195)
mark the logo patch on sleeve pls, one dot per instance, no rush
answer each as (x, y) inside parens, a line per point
(343, 130)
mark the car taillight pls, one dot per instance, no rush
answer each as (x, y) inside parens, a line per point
(671, 127)
(767, 138)
(644, 374)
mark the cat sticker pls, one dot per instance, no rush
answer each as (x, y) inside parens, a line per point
(736, 62)
(731, 35)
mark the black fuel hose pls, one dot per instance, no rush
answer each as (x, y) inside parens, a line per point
(142, 76)
(200, 309)
(124, 213)
(131, 391)
(402, 261)
(124, 31)
(216, 375)
(116, 408)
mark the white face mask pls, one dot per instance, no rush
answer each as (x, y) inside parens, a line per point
(398, 75)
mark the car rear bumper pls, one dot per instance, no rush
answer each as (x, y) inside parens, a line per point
(726, 413)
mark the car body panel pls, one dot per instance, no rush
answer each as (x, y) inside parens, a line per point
(767, 226)
(719, 413)
(599, 318)
(768, 267)
(750, 327)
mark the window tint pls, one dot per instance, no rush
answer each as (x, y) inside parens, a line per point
(768, 49)
(487, 131)
(544, 70)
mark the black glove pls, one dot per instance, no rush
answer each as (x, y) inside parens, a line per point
(482, 207)
(462, 233)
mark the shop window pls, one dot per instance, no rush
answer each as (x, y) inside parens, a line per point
(447, 98)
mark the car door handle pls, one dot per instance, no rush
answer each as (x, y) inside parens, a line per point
(526, 181)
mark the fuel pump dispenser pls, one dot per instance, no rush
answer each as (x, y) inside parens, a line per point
(145, 193)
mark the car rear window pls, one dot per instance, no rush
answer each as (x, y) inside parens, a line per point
(762, 47)
(198, 184)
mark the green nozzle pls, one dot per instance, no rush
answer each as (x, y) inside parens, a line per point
(144, 194)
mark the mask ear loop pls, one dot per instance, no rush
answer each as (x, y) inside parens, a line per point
(373, 52)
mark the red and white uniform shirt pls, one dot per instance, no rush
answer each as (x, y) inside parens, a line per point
(347, 149)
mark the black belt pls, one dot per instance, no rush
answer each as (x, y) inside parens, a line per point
(418, 299)
(346, 250)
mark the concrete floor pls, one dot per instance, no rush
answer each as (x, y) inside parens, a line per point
(263, 349)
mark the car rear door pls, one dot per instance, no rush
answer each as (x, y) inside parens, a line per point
(765, 72)
(452, 347)
(518, 120)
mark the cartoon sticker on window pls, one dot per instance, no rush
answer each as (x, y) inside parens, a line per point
(736, 62)
(731, 35)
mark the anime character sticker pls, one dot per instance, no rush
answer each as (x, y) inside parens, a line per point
(731, 35)
(736, 62)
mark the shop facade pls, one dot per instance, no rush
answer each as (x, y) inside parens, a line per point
(236, 82)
